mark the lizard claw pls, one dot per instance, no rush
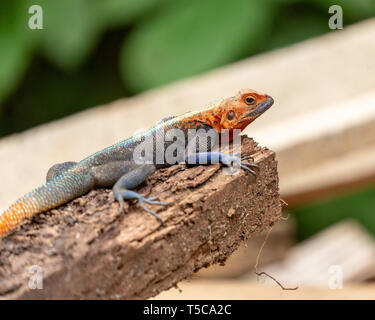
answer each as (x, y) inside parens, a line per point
(243, 166)
(248, 165)
(141, 202)
(247, 157)
(121, 204)
(230, 160)
(129, 195)
(152, 200)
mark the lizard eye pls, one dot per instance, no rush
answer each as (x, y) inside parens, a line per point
(249, 100)
(230, 115)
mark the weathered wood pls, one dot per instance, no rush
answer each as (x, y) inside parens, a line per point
(330, 155)
(339, 255)
(88, 249)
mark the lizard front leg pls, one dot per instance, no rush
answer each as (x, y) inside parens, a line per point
(193, 155)
(219, 157)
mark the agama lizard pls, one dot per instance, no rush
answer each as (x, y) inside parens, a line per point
(116, 166)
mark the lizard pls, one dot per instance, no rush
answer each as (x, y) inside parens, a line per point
(116, 166)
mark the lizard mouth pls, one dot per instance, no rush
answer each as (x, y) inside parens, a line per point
(262, 107)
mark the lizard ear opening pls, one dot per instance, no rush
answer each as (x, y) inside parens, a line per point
(230, 115)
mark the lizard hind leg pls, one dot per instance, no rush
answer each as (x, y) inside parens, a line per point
(131, 180)
(130, 195)
(58, 169)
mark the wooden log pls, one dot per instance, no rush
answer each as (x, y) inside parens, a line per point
(87, 249)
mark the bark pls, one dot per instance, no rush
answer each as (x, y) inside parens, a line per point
(87, 249)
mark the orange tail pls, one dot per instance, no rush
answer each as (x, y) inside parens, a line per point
(52, 194)
(11, 217)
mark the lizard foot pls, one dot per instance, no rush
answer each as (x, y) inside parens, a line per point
(235, 159)
(131, 195)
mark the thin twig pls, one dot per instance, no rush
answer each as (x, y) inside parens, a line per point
(283, 202)
(286, 217)
(263, 272)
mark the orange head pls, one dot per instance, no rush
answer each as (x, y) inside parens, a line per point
(236, 112)
(239, 111)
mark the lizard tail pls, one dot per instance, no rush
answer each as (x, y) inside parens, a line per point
(50, 195)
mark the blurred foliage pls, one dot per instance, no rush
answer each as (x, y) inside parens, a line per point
(94, 51)
(187, 37)
(289, 22)
(353, 10)
(16, 45)
(358, 205)
(70, 32)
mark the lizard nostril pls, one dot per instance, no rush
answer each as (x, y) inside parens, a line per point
(270, 100)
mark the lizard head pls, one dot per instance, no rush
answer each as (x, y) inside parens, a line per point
(239, 111)
(236, 112)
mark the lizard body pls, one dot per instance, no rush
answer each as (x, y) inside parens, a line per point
(116, 166)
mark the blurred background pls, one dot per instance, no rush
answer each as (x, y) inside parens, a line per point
(161, 57)
(95, 51)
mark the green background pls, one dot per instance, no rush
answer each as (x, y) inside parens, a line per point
(94, 51)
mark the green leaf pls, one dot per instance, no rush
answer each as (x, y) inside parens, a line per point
(17, 42)
(352, 10)
(188, 37)
(71, 31)
(358, 205)
(294, 24)
(119, 12)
